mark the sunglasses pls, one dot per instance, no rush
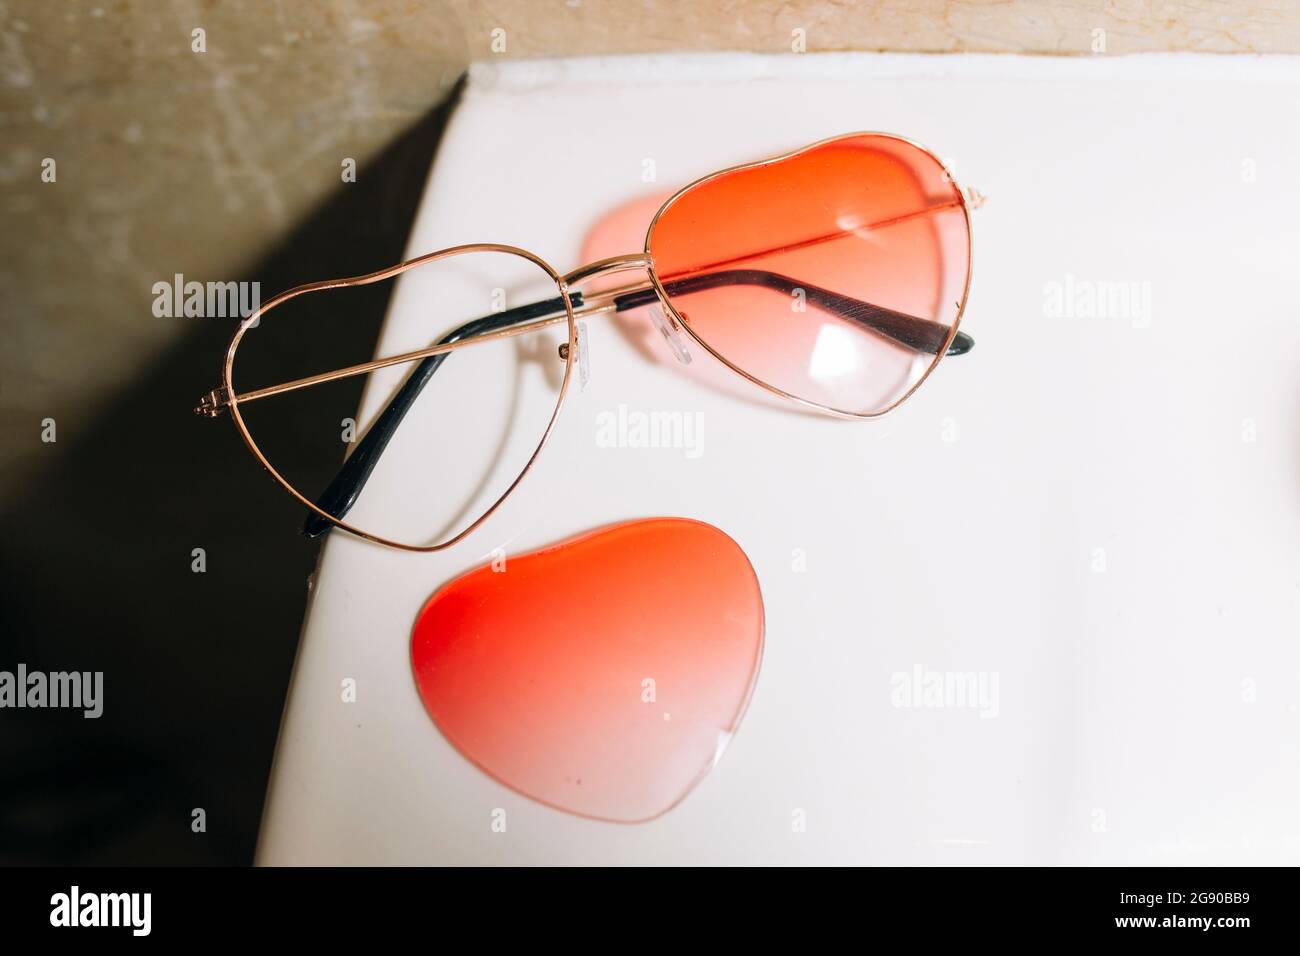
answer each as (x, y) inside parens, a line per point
(833, 277)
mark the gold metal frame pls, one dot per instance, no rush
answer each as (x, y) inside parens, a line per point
(219, 399)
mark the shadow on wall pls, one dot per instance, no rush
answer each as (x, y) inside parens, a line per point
(96, 558)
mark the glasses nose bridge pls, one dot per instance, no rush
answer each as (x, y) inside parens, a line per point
(602, 267)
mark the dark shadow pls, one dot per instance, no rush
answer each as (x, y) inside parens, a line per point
(96, 558)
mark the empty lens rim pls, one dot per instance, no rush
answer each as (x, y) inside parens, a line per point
(381, 275)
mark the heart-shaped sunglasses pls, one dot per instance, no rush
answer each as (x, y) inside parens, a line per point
(834, 277)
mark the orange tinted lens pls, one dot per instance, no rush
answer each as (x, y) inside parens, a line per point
(603, 676)
(835, 275)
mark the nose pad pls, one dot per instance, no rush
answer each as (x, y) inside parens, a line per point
(669, 329)
(584, 355)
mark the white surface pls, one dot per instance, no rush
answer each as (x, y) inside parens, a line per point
(1145, 713)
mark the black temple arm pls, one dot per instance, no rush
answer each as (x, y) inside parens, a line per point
(915, 333)
(344, 490)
